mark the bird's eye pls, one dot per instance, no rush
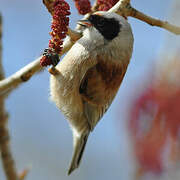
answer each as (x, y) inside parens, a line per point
(97, 20)
(101, 22)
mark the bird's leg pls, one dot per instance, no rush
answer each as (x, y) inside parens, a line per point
(53, 71)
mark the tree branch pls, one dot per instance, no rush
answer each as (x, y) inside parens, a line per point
(124, 8)
(6, 155)
(156, 22)
(19, 77)
(24, 74)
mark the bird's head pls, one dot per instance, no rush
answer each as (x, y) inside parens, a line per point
(108, 24)
(108, 28)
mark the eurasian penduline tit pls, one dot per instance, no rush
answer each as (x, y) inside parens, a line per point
(88, 77)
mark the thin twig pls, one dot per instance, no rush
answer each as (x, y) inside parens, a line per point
(49, 5)
(156, 22)
(95, 6)
(24, 174)
(6, 155)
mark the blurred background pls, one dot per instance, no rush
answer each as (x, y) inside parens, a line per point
(41, 137)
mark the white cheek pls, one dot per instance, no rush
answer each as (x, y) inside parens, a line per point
(93, 37)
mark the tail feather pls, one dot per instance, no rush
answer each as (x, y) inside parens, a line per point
(79, 146)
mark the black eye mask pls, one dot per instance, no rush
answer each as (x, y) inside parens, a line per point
(108, 27)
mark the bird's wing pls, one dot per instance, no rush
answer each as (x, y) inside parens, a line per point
(98, 89)
(75, 64)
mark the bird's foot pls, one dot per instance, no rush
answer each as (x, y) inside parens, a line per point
(53, 71)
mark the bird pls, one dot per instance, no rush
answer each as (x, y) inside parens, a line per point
(87, 79)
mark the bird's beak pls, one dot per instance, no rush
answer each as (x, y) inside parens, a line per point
(85, 23)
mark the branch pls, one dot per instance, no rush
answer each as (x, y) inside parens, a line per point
(6, 155)
(19, 77)
(24, 74)
(124, 8)
(156, 22)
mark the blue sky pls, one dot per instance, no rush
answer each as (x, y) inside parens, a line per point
(40, 135)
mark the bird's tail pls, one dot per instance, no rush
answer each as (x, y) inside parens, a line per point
(79, 146)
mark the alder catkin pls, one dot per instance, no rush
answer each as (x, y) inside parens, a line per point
(59, 28)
